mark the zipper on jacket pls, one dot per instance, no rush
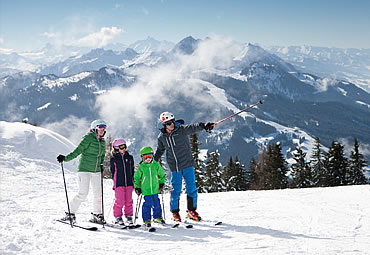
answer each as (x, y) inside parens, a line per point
(97, 159)
(174, 155)
(150, 174)
(124, 169)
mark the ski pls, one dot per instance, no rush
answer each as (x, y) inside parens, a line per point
(119, 226)
(79, 226)
(214, 223)
(168, 225)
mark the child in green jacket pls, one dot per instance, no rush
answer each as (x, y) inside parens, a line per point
(149, 181)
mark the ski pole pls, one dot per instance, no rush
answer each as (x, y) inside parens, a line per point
(137, 207)
(245, 109)
(65, 188)
(164, 214)
(102, 197)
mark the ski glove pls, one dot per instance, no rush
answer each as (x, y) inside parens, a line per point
(61, 158)
(161, 186)
(207, 127)
(138, 191)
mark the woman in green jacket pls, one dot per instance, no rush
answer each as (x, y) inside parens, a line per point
(149, 181)
(92, 151)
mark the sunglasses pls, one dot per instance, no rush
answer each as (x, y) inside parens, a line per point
(148, 156)
(102, 127)
(168, 123)
(122, 147)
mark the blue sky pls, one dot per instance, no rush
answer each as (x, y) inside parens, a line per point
(29, 25)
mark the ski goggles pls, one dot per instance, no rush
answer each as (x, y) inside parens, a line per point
(102, 127)
(147, 156)
(167, 123)
(122, 147)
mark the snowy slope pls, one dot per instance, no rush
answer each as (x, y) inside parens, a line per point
(308, 221)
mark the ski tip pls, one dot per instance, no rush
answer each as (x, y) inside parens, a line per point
(218, 223)
(189, 226)
(151, 229)
(261, 102)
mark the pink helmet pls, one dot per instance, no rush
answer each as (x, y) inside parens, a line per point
(118, 142)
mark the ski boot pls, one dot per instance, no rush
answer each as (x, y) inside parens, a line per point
(97, 218)
(159, 220)
(148, 223)
(69, 217)
(129, 220)
(176, 216)
(119, 221)
(193, 215)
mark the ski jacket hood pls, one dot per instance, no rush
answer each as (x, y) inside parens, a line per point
(92, 151)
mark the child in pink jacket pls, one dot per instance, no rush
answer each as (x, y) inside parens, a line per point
(122, 169)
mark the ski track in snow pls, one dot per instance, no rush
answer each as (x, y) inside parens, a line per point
(291, 221)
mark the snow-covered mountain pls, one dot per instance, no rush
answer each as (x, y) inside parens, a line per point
(352, 65)
(291, 221)
(200, 80)
(152, 45)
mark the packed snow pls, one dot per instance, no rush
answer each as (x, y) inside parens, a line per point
(291, 221)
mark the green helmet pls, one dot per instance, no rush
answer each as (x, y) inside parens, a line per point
(146, 150)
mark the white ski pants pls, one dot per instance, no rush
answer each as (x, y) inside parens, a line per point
(84, 181)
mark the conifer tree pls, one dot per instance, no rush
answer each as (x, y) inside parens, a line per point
(301, 170)
(214, 181)
(198, 164)
(276, 168)
(356, 165)
(252, 173)
(240, 180)
(336, 165)
(317, 164)
(261, 175)
(229, 175)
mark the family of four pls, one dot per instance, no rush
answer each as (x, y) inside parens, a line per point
(148, 179)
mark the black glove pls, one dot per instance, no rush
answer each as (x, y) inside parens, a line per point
(207, 127)
(138, 191)
(161, 186)
(61, 158)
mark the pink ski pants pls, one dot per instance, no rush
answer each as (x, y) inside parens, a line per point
(123, 198)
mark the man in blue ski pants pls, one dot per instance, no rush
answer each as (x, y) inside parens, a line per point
(174, 139)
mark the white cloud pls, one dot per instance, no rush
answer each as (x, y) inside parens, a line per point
(71, 127)
(99, 39)
(135, 109)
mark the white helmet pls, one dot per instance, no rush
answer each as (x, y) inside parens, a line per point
(96, 123)
(166, 116)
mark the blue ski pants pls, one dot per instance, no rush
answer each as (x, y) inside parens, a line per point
(151, 202)
(191, 189)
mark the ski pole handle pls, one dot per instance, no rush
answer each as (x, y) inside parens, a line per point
(245, 109)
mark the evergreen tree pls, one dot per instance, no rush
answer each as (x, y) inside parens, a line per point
(198, 164)
(301, 170)
(252, 173)
(240, 180)
(336, 165)
(230, 175)
(356, 165)
(260, 180)
(317, 164)
(214, 181)
(276, 168)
